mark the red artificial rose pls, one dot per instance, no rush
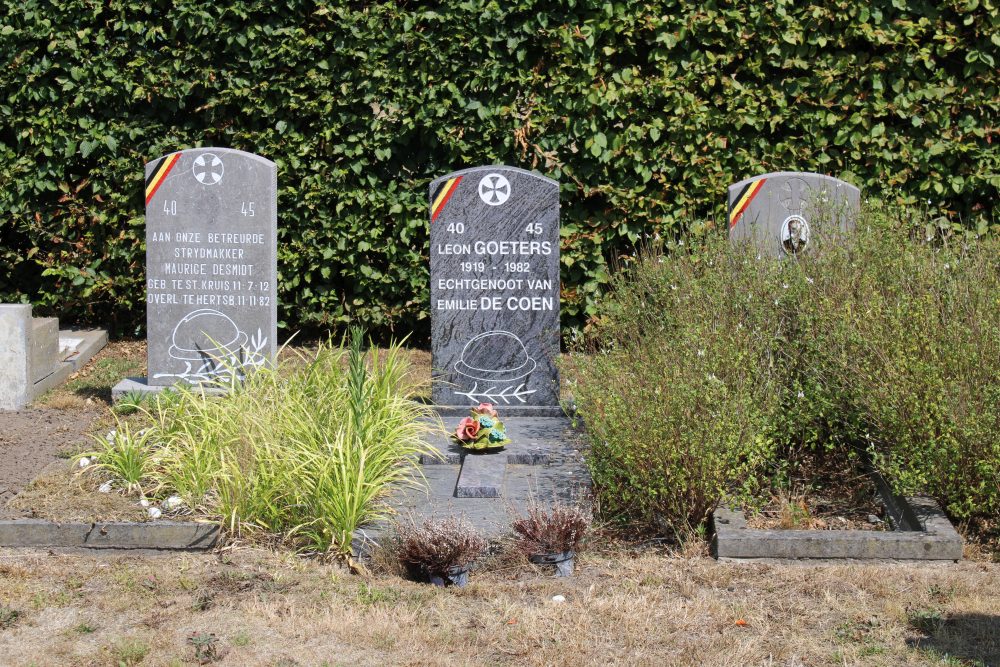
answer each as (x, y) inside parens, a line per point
(467, 429)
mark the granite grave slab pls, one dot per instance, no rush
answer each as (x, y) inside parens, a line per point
(543, 466)
(781, 212)
(211, 265)
(494, 260)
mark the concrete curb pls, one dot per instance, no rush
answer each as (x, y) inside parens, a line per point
(110, 535)
(922, 532)
(92, 342)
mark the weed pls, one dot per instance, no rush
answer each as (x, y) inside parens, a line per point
(130, 402)
(85, 628)
(709, 372)
(927, 621)
(204, 601)
(242, 638)
(128, 652)
(205, 645)
(103, 374)
(8, 617)
(127, 456)
(369, 595)
(794, 513)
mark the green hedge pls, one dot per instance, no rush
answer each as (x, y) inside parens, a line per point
(644, 111)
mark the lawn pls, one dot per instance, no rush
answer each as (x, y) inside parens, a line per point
(246, 606)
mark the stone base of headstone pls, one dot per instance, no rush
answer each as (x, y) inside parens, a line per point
(140, 386)
(35, 355)
(506, 410)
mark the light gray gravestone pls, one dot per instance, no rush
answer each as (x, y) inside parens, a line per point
(494, 254)
(211, 265)
(782, 212)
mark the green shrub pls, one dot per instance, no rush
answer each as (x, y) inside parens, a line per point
(713, 372)
(919, 358)
(681, 385)
(308, 451)
(644, 111)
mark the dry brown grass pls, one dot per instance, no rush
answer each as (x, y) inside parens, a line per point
(61, 493)
(269, 608)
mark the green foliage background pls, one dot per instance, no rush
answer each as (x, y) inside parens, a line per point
(644, 111)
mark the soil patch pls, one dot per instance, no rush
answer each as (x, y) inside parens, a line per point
(823, 494)
(33, 439)
(818, 510)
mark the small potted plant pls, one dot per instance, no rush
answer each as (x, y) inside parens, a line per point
(482, 430)
(552, 537)
(440, 550)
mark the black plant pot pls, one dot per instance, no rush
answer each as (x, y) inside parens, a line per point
(563, 562)
(457, 575)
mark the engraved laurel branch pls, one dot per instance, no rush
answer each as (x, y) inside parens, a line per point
(519, 392)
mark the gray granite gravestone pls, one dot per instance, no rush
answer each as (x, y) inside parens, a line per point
(781, 212)
(494, 258)
(211, 265)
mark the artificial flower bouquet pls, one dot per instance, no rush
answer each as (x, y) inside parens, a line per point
(481, 430)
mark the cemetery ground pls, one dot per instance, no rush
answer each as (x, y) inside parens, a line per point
(631, 601)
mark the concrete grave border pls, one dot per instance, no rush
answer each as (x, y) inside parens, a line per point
(921, 531)
(33, 359)
(109, 535)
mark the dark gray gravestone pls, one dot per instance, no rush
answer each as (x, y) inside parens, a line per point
(783, 211)
(495, 288)
(211, 265)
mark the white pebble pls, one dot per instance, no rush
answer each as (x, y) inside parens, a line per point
(105, 488)
(84, 461)
(172, 503)
(110, 437)
(144, 502)
(154, 513)
(558, 598)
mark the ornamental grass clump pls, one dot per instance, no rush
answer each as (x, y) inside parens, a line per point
(307, 451)
(125, 457)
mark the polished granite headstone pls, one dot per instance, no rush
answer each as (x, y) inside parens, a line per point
(211, 265)
(784, 211)
(494, 254)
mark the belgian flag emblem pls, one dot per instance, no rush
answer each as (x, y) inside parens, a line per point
(443, 195)
(159, 174)
(746, 196)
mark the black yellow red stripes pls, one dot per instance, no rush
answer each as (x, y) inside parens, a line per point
(159, 174)
(443, 195)
(743, 200)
